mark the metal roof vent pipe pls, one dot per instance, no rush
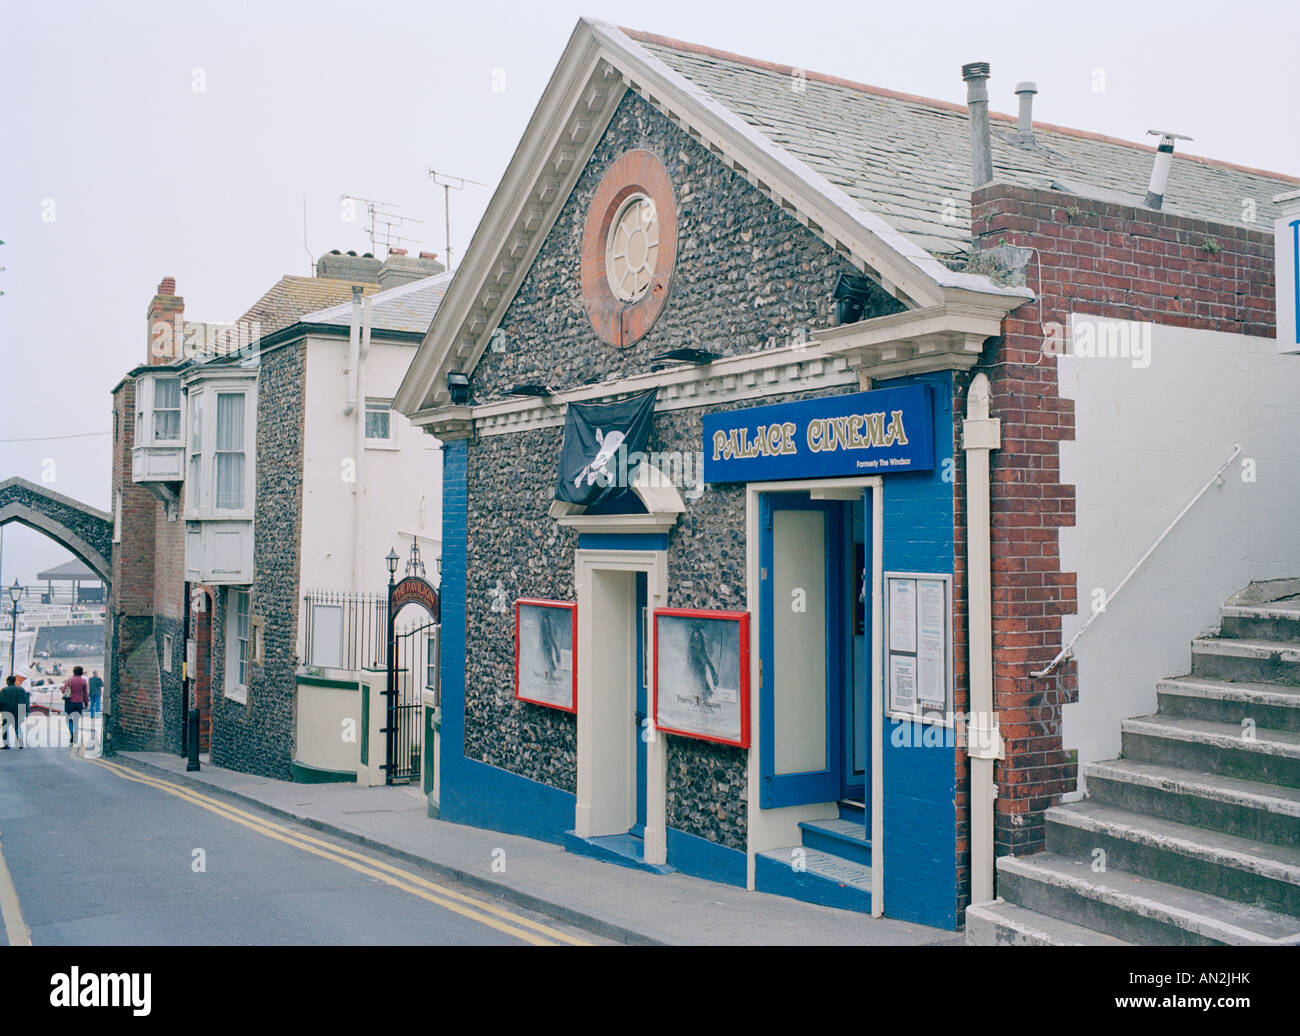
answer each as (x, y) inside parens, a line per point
(1160, 171)
(1025, 125)
(976, 75)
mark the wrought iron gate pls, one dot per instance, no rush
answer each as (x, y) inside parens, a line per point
(411, 674)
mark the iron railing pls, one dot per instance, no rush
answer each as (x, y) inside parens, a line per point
(1066, 652)
(345, 630)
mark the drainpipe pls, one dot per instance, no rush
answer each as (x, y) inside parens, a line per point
(980, 435)
(359, 438)
(354, 348)
(976, 75)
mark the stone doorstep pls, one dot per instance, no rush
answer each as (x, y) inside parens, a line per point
(1277, 695)
(1262, 859)
(1265, 592)
(1236, 791)
(1261, 650)
(1210, 917)
(1280, 743)
(1288, 610)
(1000, 923)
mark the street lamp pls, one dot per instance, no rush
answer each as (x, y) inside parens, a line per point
(15, 592)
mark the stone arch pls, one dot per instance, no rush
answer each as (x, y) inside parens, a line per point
(84, 530)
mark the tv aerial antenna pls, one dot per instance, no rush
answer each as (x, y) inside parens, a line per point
(448, 184)
(382, 219)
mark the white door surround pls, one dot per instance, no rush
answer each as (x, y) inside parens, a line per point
(605, 581)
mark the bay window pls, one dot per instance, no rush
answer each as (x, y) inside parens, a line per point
(158, 452)
(229, 451)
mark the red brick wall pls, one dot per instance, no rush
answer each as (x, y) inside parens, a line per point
(1118, 262)
(133, 582)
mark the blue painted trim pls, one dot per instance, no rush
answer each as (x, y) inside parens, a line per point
(701, 858)
(818, 785)
(622, 541)
(620, 850)
(642, 707)
(487, 796)
(778, 878)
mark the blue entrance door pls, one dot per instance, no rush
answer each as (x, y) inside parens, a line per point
(642, 715)
(804, 649)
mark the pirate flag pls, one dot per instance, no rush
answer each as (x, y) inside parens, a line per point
(597, 460)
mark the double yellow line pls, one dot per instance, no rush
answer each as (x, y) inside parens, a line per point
(474, 909)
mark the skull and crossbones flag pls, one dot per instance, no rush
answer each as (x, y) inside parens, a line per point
(601, 442)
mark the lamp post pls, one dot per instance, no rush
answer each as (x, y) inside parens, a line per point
(15, 592)
(392, 559)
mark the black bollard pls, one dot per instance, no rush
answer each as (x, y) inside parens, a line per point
(192, 737)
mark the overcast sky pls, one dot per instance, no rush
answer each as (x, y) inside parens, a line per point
(144, 139)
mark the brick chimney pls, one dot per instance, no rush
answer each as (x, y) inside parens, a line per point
(166, 318)
(400, 268)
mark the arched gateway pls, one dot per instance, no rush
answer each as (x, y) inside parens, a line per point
(84, 530)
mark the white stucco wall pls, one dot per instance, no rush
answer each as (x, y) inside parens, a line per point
(400, 486)
(1146, 439)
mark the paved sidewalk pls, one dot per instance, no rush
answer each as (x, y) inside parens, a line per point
(618, 902)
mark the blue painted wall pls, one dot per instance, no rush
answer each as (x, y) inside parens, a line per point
(919, 775)
(473, 792)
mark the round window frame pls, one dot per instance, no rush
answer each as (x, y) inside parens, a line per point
(621, 323)
(620, 215)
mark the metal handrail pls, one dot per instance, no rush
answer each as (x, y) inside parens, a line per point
(1065, 651)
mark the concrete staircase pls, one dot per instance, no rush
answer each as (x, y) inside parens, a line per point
(1192, 837)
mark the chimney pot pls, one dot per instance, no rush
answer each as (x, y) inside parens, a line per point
(397, 251)
(1026, 91)
(1160, 169)
(428, 255)
(167, 286)
(976, 75)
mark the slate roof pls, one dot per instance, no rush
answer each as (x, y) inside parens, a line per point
(408, 307)
(292, 296)
(907, 158)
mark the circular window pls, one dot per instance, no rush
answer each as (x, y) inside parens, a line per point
(629, 248)
(632, 248)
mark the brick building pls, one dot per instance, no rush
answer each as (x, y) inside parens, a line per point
(813, 630)
(244, 463)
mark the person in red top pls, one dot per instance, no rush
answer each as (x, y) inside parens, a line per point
(76, 696)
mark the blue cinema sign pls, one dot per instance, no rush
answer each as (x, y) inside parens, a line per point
(867, 433)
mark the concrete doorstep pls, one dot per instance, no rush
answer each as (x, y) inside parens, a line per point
(615, 902)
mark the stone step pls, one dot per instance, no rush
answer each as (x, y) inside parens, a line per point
(1268, 756)
(1257, 873)
(1004, 924)
(1276, 706)
(837, 838)
(1261, 661)
(1137, 909)
(814, 877)
(1279, 620)
(1247, 809)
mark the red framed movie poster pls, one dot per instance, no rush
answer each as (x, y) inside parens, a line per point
(546, 637)
(701, 679)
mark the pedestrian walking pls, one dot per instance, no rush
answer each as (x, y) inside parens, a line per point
(13, 710)
(76, 696)
(96, 693)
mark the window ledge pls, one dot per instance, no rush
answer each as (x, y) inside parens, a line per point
(383, 444)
